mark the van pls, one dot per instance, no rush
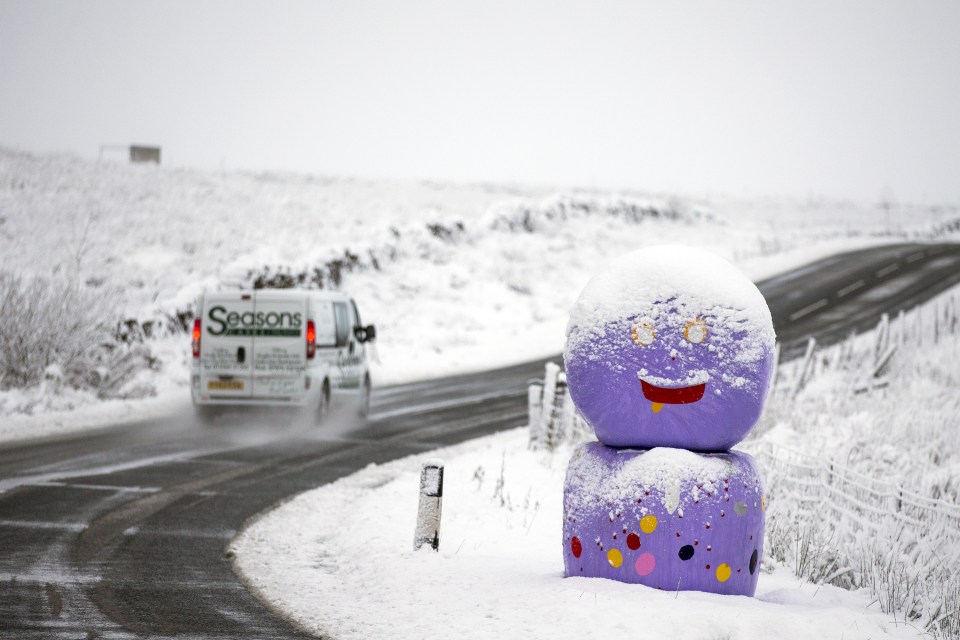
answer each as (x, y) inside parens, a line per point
(287, 348)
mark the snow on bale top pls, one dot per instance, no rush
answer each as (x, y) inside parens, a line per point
(670, 346)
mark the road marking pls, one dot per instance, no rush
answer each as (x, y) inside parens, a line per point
(7, 484)
(99, 487)
(914, 257)
(888, 270)
(37, 524)
(850, 288)
(822, 302)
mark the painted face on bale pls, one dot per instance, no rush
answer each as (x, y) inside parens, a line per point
(670, 346)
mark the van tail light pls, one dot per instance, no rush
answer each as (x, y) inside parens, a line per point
(311, 340)
(196, 338)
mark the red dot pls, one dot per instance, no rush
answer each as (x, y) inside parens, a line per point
(576, 547)
(708, 566)
(633, 541)
(678, 534)
(708, 525)
(696, 542)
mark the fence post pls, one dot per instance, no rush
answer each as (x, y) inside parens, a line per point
(555, 433)
(428, 511)
(806, 366)
(550, 375)
(776, 368)
(936, 322)
(535, 412)
(883, 337)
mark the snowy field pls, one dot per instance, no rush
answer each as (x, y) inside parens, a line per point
(456, 277)
(338, 560)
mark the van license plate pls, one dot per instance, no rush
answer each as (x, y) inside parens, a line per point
(225, 385)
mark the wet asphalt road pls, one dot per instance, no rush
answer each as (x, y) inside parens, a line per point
(120, 533)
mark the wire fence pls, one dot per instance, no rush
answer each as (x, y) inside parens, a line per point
(820, 488)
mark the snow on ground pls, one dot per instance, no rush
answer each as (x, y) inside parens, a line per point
(456, 277)
(339, 562)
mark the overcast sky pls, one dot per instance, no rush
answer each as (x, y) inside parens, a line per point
(857, 99)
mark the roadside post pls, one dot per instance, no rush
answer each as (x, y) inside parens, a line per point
(428, 512)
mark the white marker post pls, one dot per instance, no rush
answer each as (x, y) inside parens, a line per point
(428, 512)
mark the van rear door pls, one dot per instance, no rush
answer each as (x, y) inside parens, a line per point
(226, 346)
(280, 346)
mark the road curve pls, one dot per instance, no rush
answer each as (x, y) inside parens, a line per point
(121, 533)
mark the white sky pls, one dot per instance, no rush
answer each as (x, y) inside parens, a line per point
(857, 99)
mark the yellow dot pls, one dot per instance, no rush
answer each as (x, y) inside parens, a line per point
(615, 558)
(763, 502)
(723, 572)
(648, 524)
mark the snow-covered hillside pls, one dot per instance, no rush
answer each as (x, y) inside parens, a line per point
(456, 277)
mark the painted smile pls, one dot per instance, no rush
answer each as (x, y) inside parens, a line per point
(678, 395)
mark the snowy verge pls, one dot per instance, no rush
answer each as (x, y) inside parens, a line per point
(338, 561)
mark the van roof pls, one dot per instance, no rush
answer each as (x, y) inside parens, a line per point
(337, 296)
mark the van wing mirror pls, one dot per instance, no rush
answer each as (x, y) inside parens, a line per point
(365, 334)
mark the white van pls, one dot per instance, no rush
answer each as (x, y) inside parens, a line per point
(279, 347)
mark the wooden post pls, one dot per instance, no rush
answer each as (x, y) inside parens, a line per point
(550, 375)
(555, 430)
(807, 366)
(776, 368)
(535, 412)
(428, 512)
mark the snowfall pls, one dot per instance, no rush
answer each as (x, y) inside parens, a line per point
(463, 278)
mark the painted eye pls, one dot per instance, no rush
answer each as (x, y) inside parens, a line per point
(695, 331)
(643, 333)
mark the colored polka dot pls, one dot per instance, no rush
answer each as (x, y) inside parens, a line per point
(763, 503)
(686, 552)
(648, 524)
(633, 541)
(615, 558)
(753, 562)
(723, 572)
(576, 547)
(645, 564)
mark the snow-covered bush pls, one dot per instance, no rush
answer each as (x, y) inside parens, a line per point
(56, 333)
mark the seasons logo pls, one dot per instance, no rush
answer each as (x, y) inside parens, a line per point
(253, 323)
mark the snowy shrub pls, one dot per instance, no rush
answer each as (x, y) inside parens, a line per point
(56, 333)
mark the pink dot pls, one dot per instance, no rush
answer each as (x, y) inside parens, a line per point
(645, 564)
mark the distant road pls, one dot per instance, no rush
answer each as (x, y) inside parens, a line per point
(121, 533)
